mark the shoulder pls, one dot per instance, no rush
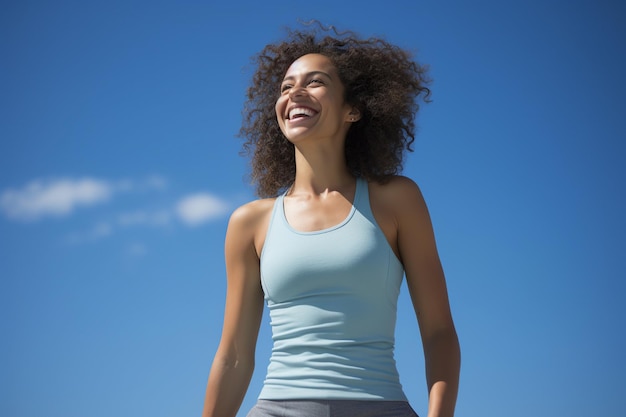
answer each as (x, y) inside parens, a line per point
(402, 198)
(248, 223)
(400, 210)
(398, 191)
(251, 213)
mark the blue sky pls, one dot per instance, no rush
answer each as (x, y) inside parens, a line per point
(119, 167)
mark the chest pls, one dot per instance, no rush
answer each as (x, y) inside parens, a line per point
(308, 215)
(352, 257)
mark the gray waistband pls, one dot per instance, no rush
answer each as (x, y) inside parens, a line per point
(331, 408)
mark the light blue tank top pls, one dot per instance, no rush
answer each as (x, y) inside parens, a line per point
(332, 298)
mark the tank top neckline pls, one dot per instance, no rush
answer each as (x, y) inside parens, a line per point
(360, 187)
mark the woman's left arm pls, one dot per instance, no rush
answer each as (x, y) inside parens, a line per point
(427, 287)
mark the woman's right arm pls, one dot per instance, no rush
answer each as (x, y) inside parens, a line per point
(233, 363)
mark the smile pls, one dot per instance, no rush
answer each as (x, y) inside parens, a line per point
(300, 112)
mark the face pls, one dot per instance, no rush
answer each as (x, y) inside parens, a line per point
(311, 102)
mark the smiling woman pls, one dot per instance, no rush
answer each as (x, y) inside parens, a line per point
(312, 97)
(379, 79)
(328, 119)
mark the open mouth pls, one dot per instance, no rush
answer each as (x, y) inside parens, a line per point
(299, 113)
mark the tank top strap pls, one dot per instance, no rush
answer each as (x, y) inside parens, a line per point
(362, 198)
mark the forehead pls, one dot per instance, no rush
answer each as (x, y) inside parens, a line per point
(311, 63)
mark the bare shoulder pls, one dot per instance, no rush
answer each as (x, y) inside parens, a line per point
(399, 192)
(397, 204)
(249, 222)
(252, 213)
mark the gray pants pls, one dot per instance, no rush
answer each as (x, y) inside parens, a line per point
(331, 408)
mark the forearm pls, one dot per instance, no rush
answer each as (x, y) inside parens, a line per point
(227, 386)
(443, 363)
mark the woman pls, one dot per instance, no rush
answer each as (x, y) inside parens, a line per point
(328, 119)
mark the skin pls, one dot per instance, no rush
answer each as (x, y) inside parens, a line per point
(321, 197)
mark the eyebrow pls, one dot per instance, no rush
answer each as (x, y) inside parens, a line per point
(308, 74)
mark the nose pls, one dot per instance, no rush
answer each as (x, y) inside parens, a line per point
(297, 91)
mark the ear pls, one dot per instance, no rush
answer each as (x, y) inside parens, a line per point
(354, 115)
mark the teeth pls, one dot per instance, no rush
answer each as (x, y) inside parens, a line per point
(300, 111)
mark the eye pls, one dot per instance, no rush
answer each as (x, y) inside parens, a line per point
(285, 87)
(316, 81)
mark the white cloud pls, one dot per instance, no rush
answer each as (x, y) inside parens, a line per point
(60, 197)
(193, 210)
(42, 198)
(200, 208)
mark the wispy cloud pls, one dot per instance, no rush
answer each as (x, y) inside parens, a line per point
(60, 197)
(98, 231)
(42, 198)
(153, 182)
(196, 209)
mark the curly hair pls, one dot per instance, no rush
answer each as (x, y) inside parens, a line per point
(380, 79)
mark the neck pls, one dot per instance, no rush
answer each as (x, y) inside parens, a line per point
(321, 171)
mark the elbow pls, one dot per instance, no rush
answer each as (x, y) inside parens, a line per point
(231, 364)
(234, 361)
